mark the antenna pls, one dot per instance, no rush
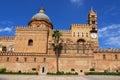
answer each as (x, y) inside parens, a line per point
(91, 7)
(41, 3)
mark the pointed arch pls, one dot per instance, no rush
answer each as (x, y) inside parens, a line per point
(81, 40)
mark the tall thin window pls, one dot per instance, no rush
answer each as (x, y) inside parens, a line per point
(34, 59)
(17, 59)
(30, 42)
(78, 34)
(86, 34)
(44, 60)
(25, 59)
(116, 57)
(73, 34)
(82, 34)
(43, 69)
(8, 59)
(104, 56)
(77, 47)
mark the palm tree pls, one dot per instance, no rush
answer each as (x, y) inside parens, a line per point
(56, 35)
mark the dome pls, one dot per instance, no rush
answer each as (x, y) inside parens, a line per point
(41, 16)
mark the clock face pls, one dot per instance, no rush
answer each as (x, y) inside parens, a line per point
(94, 35)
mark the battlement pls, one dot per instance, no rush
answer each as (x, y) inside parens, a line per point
(109, 50)
(23, 54)
(80, 25)
(65, 31)
(29, 28)
(7, 38)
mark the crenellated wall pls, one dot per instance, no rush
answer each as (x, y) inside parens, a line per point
(109, 50)
(80, 25)
(7, 38)
(29, 28)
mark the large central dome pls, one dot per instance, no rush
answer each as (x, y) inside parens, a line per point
(41, 16)
(40, 20)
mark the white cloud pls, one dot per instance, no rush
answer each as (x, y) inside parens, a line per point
(77, 2)
(110, 30)
(113, 41)
(6, 29)
(110, 35)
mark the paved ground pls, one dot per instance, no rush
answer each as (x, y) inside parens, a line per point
(42, 77)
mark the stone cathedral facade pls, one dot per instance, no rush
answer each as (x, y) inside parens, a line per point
(32, 47)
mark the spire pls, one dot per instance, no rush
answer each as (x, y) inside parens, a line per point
(92, 11)
(42, 10)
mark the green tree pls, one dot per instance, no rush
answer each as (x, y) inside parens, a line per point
(56, 36)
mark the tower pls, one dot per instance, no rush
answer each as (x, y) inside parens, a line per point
(34, 38)
(92, 21)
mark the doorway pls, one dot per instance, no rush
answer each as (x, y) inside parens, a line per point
(43, 70)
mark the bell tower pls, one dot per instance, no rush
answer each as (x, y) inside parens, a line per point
(92, 21)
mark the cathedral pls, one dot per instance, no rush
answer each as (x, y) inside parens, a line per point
(32, 48)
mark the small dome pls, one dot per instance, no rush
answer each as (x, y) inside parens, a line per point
(41, 16)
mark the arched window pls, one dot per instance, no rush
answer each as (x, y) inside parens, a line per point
(17, 59)
(25, 59)
(34, 59)
(86, 34)
(30, 42)
(4, 48)
(73, 34)
(44, 60)
(82, 34)
(116, 57)
(7, 59)
(104, 56)
(78, 34)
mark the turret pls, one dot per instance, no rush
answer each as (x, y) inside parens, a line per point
(92, 17)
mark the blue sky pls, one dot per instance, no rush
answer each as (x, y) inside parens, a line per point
(63, 13)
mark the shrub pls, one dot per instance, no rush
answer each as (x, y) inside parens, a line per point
(76, 73)
(68, 73)
(20, 73)
(102, 73)
(92, 69)
(2, 70)
(105, 71)
(62, 73)
(34, 69)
